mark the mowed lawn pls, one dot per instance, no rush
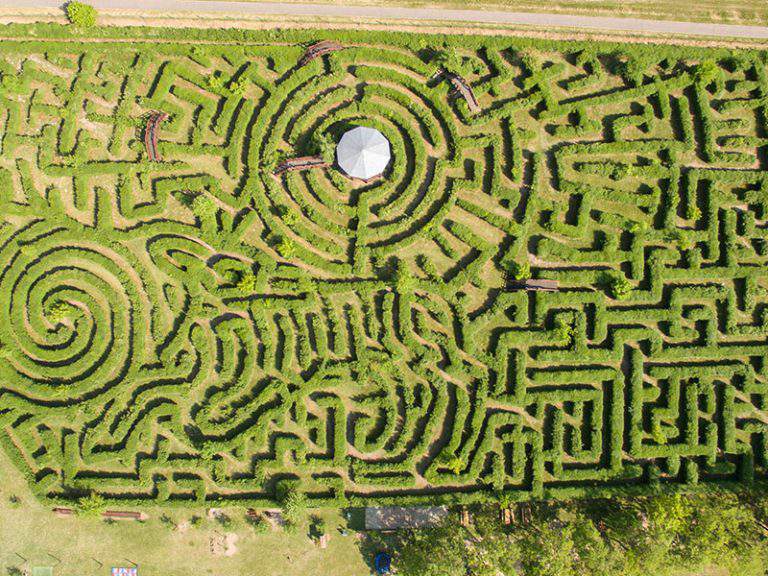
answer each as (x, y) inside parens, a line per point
(30, 535)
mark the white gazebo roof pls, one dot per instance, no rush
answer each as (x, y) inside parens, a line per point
(363, 152)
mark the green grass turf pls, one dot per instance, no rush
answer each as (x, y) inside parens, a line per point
(33, 536)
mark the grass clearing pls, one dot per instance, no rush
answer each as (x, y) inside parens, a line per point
(32, 535)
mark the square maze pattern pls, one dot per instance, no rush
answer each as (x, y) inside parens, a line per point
(194, 329)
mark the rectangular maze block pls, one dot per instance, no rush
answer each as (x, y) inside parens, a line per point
(179, 323)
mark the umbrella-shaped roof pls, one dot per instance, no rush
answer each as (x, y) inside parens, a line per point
(363, 152)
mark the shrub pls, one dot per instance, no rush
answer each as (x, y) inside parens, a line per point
(204, 207)
(259, 524)
(246, 284)
(58, 312)
(224, 520)
(92, 505)
(80, 14)
(620, 287)
(294, 505)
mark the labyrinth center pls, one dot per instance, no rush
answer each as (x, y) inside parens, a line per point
(363, 153)
(539, 274)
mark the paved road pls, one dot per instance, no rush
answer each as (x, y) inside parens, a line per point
(234, 8)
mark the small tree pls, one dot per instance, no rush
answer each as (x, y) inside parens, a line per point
(215, 82)
(91, 506)
(286, 247)
(565, 330)
(521, 270)
(203, 207)
(82, 15)
(446, 58)
(246, 284)
(620, 287)
(706, 72)
(58, 312)
(238, 87)
(323, 145)
(294, 506)
(455, 464)
(404, 280)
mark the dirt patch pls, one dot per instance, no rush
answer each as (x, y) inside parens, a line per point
(223, 544)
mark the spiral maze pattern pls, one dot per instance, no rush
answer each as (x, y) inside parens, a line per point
(193, 328)
(68, 315)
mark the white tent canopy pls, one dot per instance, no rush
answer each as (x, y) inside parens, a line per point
(363, 152)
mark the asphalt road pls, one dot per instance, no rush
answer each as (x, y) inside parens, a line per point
(234, 8)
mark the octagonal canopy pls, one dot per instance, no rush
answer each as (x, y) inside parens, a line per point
(363, 152)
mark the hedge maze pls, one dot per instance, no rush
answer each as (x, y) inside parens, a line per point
(190, 327)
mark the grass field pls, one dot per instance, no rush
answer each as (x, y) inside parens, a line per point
(32, 536)
(750, 12)
(181, 326)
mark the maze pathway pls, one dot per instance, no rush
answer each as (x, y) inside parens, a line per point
(187, 327)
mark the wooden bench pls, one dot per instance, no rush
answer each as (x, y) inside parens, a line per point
(150, 134)
(536, 285)
(300, 163)
(464, 90)
(109, 514)
(318, 49)
(124, 515)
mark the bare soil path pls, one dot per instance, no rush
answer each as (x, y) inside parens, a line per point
(271, 9)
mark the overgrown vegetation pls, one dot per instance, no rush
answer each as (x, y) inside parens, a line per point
(663, 535)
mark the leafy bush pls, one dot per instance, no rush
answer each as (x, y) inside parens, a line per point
(58, 312)
(294, 506)
(246, 284)
(521, 270)
(204, 207)
(92, 505)
(80, 14)
(620, 287)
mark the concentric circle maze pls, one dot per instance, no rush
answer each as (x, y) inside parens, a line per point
(183, 321)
